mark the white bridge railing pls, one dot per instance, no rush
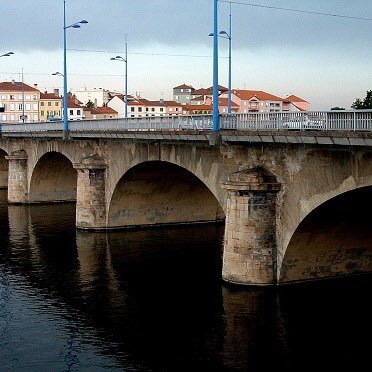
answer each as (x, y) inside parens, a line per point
(360, 120)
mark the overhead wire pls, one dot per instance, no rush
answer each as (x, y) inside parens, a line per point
(296, 10)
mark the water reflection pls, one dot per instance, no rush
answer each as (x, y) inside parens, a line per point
(153, 300)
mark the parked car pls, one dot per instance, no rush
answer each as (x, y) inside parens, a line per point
(304, 124)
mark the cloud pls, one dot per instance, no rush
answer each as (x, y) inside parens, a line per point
(37, 24)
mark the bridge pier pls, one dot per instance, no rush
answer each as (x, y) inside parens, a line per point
(17, 177)
(91, 192)
(250, 235)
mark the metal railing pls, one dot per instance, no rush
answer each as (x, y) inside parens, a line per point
(360, 120)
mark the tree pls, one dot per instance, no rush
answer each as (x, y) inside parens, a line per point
(337, 108)
(364, 104)
(89, 104)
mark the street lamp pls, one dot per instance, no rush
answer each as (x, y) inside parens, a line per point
(227, 35)
(119, 58)
(65, 101)
(7, 54)
(216, 123)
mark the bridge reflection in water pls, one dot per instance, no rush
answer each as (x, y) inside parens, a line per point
(153, 300)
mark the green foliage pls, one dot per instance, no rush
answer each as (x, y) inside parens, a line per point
(89, 104)
(364, 104)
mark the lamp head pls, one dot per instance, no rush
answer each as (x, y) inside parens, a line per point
(83, 21)
(223, 33)
(211, 34)
(76, 25)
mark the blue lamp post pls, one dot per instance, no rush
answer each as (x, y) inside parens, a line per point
(227, 35)
(216, 123)
(119, 58)
(65, 101)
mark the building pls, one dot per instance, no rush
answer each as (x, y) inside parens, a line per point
(294, 103)
(117, 103)
(197, 109)
(75, 109)
(50, 106)
(255, 101)
(100, 113)
(173, 108)
(223, 106)
(98, 96)
(16, 99)
(182, 94)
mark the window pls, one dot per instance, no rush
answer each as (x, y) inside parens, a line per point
(49, 103)
(36, 117)
(34, 97)
(132, 109)
(4, 96)
(71, 112)
(170, 108)
(12, 107)
(176, 97)
(42, 113)
(139, 109)
(28, 107)
(132, 116)
(78, 112)
(3, 117)
(34, 107)
(147, 109)
(161, 109)
(41, 103)
(20, 107)
(152, 109)
(11, 97)
(12, 117)
(28, 97)
(181, 90)
(57, 103)
(20, 97)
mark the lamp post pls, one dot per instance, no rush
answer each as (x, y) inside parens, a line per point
(65, 101)
(7, 54)
(119, 58)
(216, 123)
(227, 35)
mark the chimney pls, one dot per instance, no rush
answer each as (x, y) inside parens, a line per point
(161, 101)
(35, 85)
(56, 92)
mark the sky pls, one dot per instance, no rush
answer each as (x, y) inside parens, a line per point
(326, 60)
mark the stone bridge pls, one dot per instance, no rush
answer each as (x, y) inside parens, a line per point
(265, 187)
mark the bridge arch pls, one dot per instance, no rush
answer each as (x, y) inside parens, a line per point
(160, 192)
(3, 169)
(53, 179)
(334, 239)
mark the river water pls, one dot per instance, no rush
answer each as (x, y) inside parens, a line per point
(154, 301)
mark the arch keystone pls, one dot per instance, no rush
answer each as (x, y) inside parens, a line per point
(250, 236)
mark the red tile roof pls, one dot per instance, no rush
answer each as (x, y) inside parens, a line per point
(225, 102)
(49, 96)
(103, 111)
(198, 98)
(73, 104)
(292, 98)
(259, 94)
(197, 107)
(184, 86)
(14, 86)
